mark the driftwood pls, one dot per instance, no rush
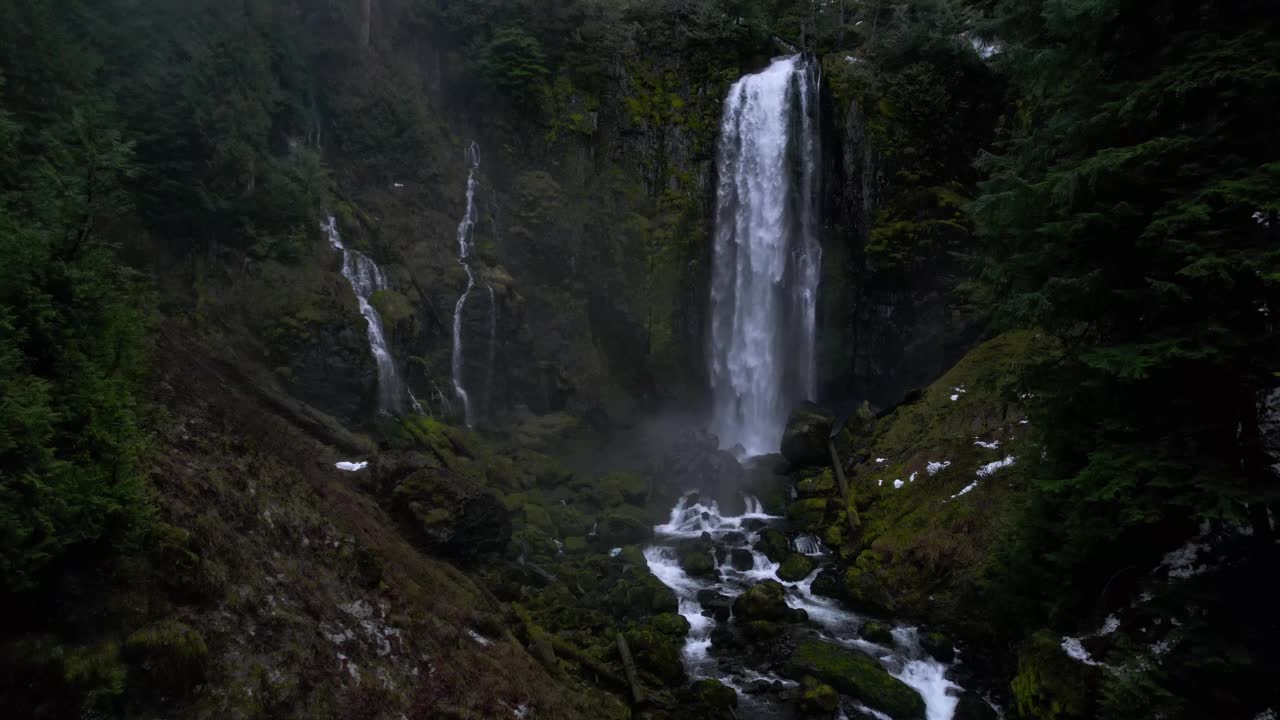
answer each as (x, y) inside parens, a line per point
(850, 506)
(629, 666)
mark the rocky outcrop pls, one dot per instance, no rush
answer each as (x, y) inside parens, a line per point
(450, 514)
(804, 441)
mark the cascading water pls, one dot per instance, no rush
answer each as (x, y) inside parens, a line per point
(366, 278)
(465, 228)
(767, 260)
(693, 518)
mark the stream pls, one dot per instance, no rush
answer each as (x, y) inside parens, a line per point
(690, 519)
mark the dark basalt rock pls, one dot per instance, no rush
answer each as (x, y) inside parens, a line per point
(804, 441)
(450, 514)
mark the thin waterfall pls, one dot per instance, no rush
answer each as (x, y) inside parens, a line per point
(465, 228)
(766, 259)
(493, 350)
(366, 278)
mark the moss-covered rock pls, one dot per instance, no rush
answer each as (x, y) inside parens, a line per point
(858, 676)
(671, 624)
(622, 487)
(818, 698)
(821, 485)
(450, 514)
(1049, 685)
(809, 515)
(763, 601)
(640, 596)
(697, 557)
(864, 588)
(658, 654)
(795, 567)
(773, 545)
(625, 525)
(876, 632)
(710, 695)
(170, 654)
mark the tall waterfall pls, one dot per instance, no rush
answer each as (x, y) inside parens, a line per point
(465, 228)
(366, 278)
(767, 260)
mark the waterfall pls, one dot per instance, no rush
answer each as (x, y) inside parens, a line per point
(766, 259)
(366, 278)
(465, 228)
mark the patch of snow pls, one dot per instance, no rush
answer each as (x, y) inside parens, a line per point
(1182, 562)
(965, 489)
(897, 484)
(933, 467)
(1262, 218)
(615, 552)
(399, 185)
(478, 637)
(1161, 647)
(1023, 421)
(351, 466)
(955, 398)
(1075, 650)
(1110, 625)
(990, 468)
(994, 444)
(912, 478)
(880, 482)
(881, 460)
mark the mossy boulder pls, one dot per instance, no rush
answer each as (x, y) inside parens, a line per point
(709, 699)
(763, 601)
(809, 515)
(697, 557)
(170, 654)
(670, 624)
(796, 567)
(640, 596)
(804, 441)
(876, 632)
(821, 485)
(864, 587)
(622, 487)
(450, 514)
(773, 545)
(658, 654)
(856, 675)
(1049, 685)
(625, 525)
(818, 698)
(828, 584)
(741, 559)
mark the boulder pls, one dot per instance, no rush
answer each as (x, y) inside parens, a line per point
(450, 514)
(856, 675)
(773, 545)
(809, 515)
(795, 567)
(741, 559)
(658, 654)
(804, 441)
(764, 601)
(818, 698)
(820, 485)
(876, 632)
(625, 525)
(714, 603)
(696, 558)
(710, 695)
(828, 584)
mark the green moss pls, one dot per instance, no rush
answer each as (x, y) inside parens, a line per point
(809, 514)
(773, 544)
(763, 601)
(1049, 685)
(392, 307)
(796, 567)
(823, 485)
(858, 676)
(818, 698)
(97, 673)
(575, 544)
(658, 654)
(876, 632)
(711, 694)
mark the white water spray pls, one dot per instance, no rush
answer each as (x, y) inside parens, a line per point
(767, 259)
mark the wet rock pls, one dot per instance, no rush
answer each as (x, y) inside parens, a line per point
(795, 567)
(733, 538)
(640, 596)
(938, 645)
(710, 695)
(625, 525)
(764, 601)
(754, 524)
(773, 545)
(804, 441)
(877, 633)
(719, 606)
(856, 675)
(697, 558)
(828, 584)
(741, 559)
(657, 654)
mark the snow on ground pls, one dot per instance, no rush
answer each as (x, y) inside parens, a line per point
(351, 466)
